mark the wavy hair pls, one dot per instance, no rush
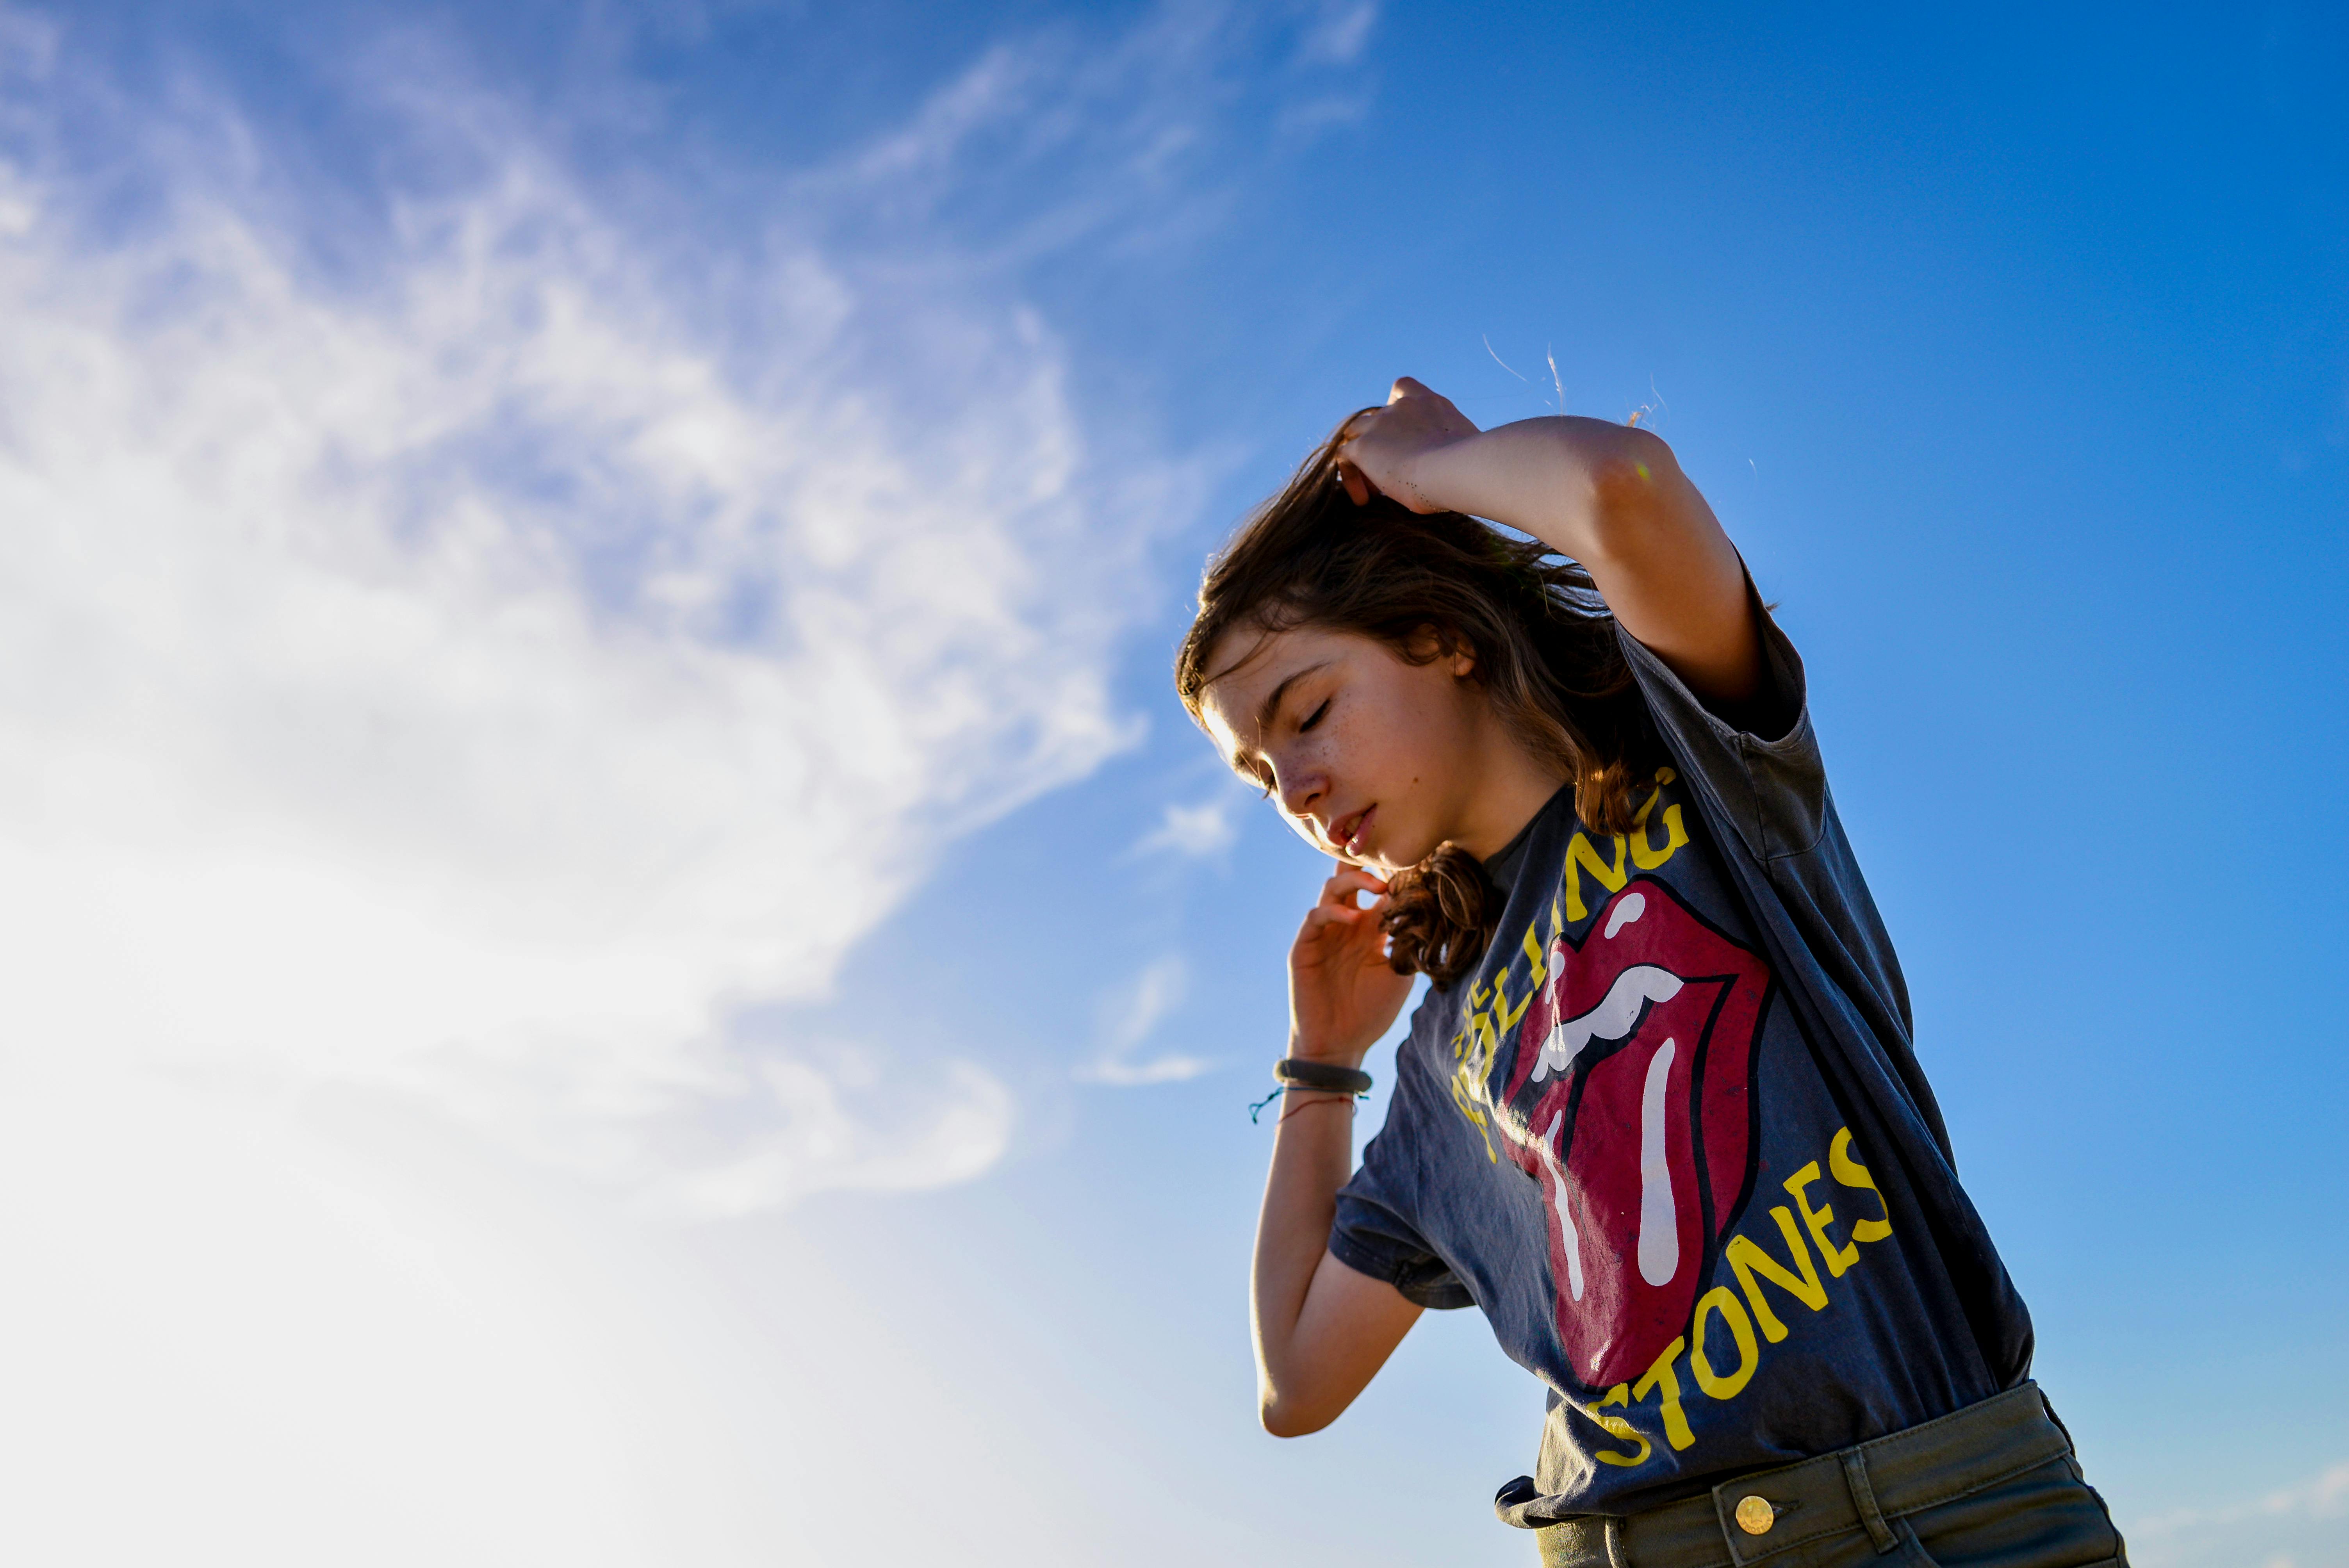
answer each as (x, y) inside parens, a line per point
(1428, 586)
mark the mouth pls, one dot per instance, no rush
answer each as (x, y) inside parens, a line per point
(1347, 832)
(1638, 1053)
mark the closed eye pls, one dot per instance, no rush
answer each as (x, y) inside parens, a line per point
(1315, 718)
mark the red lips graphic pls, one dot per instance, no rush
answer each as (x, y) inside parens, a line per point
(1638, 1053)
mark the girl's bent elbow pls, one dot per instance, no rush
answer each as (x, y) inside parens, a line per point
(1631, 484)
(1286, 1422)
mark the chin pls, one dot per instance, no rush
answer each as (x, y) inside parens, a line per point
(1388, 861)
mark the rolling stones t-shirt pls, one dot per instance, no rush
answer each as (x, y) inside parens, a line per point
(1671, 1137)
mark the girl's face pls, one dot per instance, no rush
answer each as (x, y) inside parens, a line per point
(1370, 757)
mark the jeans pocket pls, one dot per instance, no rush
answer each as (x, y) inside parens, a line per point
(2045, 1517)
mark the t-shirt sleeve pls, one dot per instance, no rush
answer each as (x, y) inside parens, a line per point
(1770, 789)
(1768, 782)
(1370, 1234)
(1370, 1239)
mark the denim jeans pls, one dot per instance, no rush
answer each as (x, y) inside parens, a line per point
(1994, 1485)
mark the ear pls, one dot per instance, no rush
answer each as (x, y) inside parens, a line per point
(1426, 647)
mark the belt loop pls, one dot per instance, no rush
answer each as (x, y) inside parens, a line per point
(1863, 1497)
(1615, 1557)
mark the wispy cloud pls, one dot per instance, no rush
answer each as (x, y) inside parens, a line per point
(1209, 828)
(476, 650)
(2323, 1496)
(2291, 1525)
(1341, 30)
(1128, 1017)
(463, 677)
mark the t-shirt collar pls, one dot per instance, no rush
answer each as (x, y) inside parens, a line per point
(1505, 864)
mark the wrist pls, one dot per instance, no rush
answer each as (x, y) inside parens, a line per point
(1306, 1050)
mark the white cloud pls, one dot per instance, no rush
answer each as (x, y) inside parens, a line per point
(1336, 38)
(465, 679)
(1209, 828)
(2274, 1528)
(2323, 1496)
(468, 675)
(1127, 1018)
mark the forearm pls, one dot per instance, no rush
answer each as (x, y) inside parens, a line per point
(1312, 1155)
(1322, 1330)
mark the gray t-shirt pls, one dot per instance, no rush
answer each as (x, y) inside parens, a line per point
(1672, 1139)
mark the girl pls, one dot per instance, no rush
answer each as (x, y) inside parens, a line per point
(1659, 1115)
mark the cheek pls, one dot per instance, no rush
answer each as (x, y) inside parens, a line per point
(1402, 737)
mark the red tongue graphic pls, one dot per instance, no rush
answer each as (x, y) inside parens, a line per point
(1642, 1119)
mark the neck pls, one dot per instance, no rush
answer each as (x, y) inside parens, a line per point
(1512, 786)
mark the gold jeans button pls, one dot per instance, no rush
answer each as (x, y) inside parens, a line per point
(1755, 1515)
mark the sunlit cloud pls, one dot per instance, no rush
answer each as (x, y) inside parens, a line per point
(465, 679)
(475, 657)
(1209, 828)
(1129, 1016)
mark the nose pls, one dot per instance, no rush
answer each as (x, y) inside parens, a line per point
(1301, 789)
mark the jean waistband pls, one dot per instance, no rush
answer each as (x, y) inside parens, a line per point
(1857, 1488)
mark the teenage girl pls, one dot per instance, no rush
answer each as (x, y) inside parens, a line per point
(1659, 1115)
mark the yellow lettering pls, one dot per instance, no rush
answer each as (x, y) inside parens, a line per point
(1661, 1377)
(1468, 1093)
(1616, 1427)
(1645, 855)
(1505, 1018)
(1581, 857)
(1748, 1260)
(1484, 1044)
(1534, 951)
(1852, 1174)
(1724, 1300)
(1818, 1220)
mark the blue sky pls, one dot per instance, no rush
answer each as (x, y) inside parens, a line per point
(622, 953)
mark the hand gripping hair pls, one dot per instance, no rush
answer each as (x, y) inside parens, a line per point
(1428, 586)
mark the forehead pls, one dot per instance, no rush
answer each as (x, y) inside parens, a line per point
(1248, 666)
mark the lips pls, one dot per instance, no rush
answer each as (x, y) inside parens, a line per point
(1347, 829)
(1638, 1053)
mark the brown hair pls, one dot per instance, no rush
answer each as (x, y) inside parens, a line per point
(1544, 643)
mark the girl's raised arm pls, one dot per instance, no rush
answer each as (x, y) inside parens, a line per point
(1322, 1331)
(1612, 497)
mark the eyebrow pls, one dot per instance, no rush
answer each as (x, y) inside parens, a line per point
(1271, 704)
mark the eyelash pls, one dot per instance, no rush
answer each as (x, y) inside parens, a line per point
(1262, 776)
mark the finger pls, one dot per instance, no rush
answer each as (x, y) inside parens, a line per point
(1357, 488)
(1343, 885)
(1322, 915)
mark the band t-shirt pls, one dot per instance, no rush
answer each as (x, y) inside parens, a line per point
(1670, 1137)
